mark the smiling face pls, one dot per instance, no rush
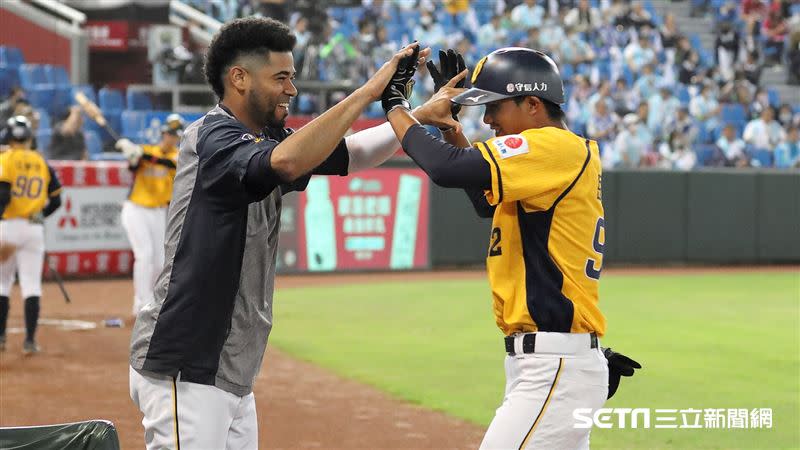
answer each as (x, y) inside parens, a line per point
(269, 88)
(515, 115)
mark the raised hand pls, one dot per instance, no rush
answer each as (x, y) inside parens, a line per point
(451, 64)
(375, 86)
(401, 84)
(438, 109)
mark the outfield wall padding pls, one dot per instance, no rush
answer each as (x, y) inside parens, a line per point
(716, 216)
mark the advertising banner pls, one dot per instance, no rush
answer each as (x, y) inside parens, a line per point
(373, 220)
(85, 235)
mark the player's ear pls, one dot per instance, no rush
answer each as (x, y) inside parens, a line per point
(238, 77)
(532, 104)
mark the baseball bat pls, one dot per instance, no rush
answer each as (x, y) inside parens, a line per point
(58, 278)
(95, 114)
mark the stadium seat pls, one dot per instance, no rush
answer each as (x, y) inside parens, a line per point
(733, 112)
(774, 97)
(682, 93)
(44, 119)
(56, 75)
(704, 153)
(93, 143)
(11, 56)
(110, 99)
(139, 101)
(9, 78)
(43, 138)
(761, 156)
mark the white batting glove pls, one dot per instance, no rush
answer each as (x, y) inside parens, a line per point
(131, 151)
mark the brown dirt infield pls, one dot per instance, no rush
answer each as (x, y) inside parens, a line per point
(83, 375)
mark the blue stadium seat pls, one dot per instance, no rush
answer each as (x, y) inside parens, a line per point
(567, 71)
(32, 75)
(43, 138)
(11, 56)
(704, 153)
(56, 75)
(133, 122)
(762, 156)
(774, 97)
(139, 101)
(9, 78)
(110, 99)
(733, 112)
(682, 93)
(44, 119)
(93, 143)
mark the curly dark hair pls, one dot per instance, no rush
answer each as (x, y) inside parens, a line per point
(246, 36)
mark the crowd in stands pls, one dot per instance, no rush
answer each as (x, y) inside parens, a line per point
(650, 95)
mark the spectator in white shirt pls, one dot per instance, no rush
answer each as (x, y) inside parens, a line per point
(764, 132)
(732, 147)
(528, 15)
(430, 32)
(705, 107)
(584, 18)
(639, 53)
(492, 34)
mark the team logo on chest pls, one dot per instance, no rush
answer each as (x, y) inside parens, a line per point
(512, 145)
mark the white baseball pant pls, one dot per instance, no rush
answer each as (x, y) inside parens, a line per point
(542, 391)
(146, 228)
(191, 416)
(27, 260)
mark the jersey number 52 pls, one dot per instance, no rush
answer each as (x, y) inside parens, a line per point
(592, 267)
(27, 187)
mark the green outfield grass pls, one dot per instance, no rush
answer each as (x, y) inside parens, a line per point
(706, 341)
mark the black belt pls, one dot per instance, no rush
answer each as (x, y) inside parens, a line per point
(529, 343)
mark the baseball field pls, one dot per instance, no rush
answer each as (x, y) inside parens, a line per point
(415, 360)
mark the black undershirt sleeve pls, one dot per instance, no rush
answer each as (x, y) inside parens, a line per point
(5, 196)
(478, 199)
(447, 165)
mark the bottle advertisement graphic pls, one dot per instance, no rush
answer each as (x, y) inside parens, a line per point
(320, 225)
(404, 237)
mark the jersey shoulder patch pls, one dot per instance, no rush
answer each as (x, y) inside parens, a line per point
(511, 145)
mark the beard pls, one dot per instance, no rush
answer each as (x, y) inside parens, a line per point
(265, 111)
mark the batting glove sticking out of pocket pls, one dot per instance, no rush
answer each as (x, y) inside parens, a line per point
(619, 366)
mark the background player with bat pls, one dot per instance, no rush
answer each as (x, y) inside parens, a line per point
(144, 213)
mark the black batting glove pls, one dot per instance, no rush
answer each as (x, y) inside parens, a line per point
(400, 86)
(619, 366)
(451, 63)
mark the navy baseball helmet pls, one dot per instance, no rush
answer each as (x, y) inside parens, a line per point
(513, 72)
(17, 128)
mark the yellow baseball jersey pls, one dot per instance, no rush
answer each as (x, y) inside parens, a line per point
(546, 246)
(32, 182)
(152, 182)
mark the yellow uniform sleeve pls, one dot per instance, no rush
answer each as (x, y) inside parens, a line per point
(535, 166)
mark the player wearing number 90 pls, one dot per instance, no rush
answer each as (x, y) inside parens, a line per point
(541, 184)
(29, 192)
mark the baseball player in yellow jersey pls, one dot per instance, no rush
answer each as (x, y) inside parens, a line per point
(541, 184)
(29, 192)
(144, 214)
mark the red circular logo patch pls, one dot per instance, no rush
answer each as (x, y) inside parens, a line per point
(513, 142)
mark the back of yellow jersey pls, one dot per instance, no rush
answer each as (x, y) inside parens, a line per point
(152, 182)
(30, 179)
(546, 245)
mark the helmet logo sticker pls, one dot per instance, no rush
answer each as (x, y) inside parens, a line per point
(526, 87)
(476, 98)
(477, 69)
